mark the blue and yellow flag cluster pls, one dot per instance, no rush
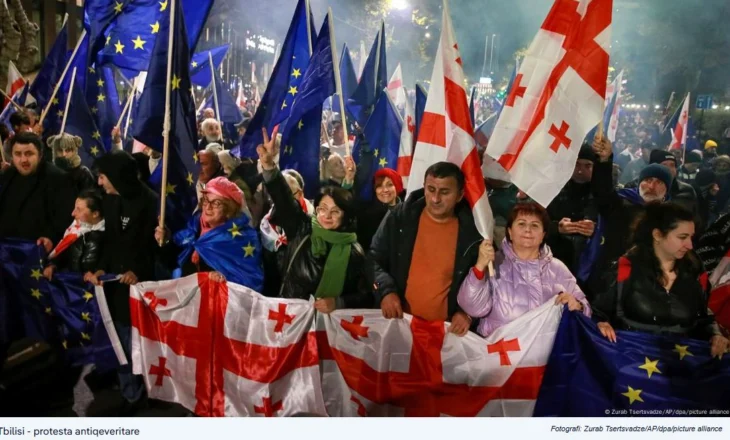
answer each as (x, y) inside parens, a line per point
(200, 74)
(51, 69)
(103, 98)
(641, 374)
(374, 79)
(64, 311)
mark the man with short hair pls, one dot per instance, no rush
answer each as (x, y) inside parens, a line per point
(339, 143)
(424, 249)
(210, 167)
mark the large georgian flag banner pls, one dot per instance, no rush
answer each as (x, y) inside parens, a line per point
(556, 99)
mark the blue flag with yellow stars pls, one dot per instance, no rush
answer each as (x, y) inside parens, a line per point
(374, 78)
(283, 85)
(51, 69)
(64, 311)
(130, 38)
(200, 65)
(232, 249)
(103, 99)
(640, 375)
(300, 133)
(348, 79)
(148, 121)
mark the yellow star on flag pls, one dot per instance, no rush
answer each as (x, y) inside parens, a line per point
(35, 293)
(248, 249)
(85, 316)
(235, 231)
(300, 125)
(139, 43)
(175, 82)
(283, 105)
(88, 296)
(65, 345)
(163, 5)
(96, 135)
(650, 366)
(296, 73)
(376, 152)
(94, 110)
(101, 97)
(85, 336)
(36, 274)
(171, 188)
(118, 7)
(155, 27)
(120, 47)
(683, 351)
(100, 83)
(190, 178)
(55, 101)
(293, 90)
(94, 151)
(194, 64)
(49, 311)
(383, 162)
(92, 70)
(195, 157)
(633, 395)
(59, 113)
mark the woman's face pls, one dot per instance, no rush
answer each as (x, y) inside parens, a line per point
(83, 214)
(527, 232)
(385, 192)
(213, 210)
(677, 242)
(329, 215)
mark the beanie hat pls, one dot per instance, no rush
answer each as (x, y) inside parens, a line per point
(64, 142)
(658, 172)
(393, 176)
(693, 157)
(586, 152)
(659, 156)
(710, 144)
(705, 178)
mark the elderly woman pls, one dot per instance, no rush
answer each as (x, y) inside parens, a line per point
(659, 286)
(322, 257)
(526, 274)
(219, 238)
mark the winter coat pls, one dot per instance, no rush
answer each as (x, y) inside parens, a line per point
(389, 259)
(517, 287)
(82, 178)
(680, 193)
(84, 255)
(369, 217)
(301, 271)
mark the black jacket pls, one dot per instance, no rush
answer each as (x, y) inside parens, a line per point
(303, 277)
(82, 178)
(389, 259)
(36, 206)
(680, 193)
(633, 299)
(84, 255)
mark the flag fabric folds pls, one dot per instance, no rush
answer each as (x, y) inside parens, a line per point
(284, 83)
(407, 142)
(421, 97)
(348, 79)
(373, 79)
(679, 131)
(640, 375)
(101, 91)
(20, 98)
(79, 121)
(610, 112)
(200, 65)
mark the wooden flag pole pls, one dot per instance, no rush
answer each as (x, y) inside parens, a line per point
(129, 114)
(63, 75)
(68, 100)
(215, 89)
(15, 104)
(126, 107)
(309, 31)
(166, 124)
(338, 80)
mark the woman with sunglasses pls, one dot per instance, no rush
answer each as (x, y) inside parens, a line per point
(323, 257)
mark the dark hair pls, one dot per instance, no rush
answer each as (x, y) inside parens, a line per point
(442, 170)
(345, 201)
(93, 200)
(525, 209)
(18, 119)
(27, 137)
(664, 217)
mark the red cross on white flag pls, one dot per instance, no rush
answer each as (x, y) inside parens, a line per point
(564, 74)
(679, 132)
(446, 132)
(405, 153)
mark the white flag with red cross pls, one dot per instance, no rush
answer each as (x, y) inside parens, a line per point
(372, 366)
(220, 349)
(556, 99)
(679, 132)
(446, 132)
(15, 82)
(396, 90)
(405, 152)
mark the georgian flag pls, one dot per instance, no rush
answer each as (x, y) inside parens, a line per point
(679, 132)
(396, 90)
(446, 129)
(556, 99)
(15, 83)
(405, 152)
(220, 349)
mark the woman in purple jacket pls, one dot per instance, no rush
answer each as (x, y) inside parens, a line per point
(526, 275)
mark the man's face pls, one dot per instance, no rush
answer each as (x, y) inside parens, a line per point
(212, 131)
(338, 136)
(208, 166)
(26, 158)
(106, 185)
(208, 113)
(652, 190)
(442, 195)
(672, 165)
(583, 172)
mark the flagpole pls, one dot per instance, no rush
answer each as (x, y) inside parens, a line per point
(124, 110)
(11, 100)
(68, 100)
(215, 89)
(377, 60)
(338, 80)
(63, 75)
(129, 113)
(309, 29)
(166, 124)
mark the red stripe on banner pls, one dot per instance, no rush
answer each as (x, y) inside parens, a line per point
(720, 305)
(474, 186)
(404, 165)
(457, 107)
(433, 129)
(422, 391)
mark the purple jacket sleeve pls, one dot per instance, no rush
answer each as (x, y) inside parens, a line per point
(565, 281)
(475, 296)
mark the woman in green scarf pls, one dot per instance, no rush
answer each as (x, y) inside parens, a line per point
(321, 256)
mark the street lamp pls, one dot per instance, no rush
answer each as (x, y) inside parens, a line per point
(398, 5)
(428, 35)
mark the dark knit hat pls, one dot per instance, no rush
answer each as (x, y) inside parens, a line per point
(693, 157)
(705, 178)
(586, 152)
(659, 156)
(658, 172)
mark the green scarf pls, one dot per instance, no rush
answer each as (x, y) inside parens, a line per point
(335, 268)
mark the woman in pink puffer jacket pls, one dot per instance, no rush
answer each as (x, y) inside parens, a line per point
(526, 274)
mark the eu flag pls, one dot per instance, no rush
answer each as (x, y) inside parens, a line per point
(284, 83)
(301, 131)
(200, 65)
(51, 69)
(348, 79)
(421, 96)
(130, 38)
(641, 374)
(148, 122)
(374, 79)
(103, 100)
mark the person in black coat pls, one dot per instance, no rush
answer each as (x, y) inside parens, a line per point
(65, 149)
(322, 257)
(388, 190)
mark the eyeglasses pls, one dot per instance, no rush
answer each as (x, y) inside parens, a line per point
(216, 204)
(324, 212)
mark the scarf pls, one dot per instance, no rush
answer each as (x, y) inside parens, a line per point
(73, 233)
(273, 236)
(335, 268)
(204, 228)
